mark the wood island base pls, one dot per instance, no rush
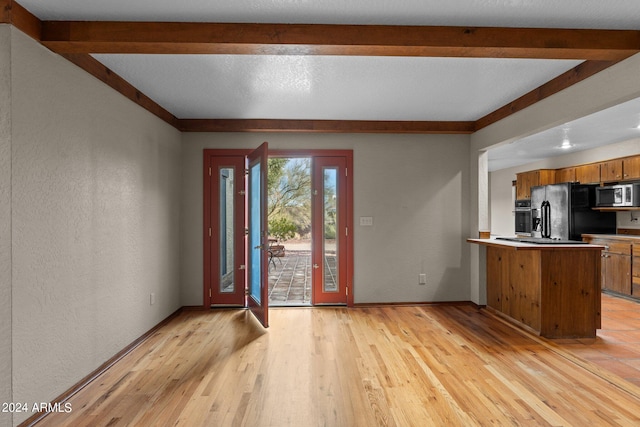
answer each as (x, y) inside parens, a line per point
(553, 290)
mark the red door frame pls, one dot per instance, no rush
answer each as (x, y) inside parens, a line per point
(211, 158)
(237, 297)
(319, 271)
(207, 248)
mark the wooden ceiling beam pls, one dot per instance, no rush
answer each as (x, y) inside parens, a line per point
(104, 74)
(563, 81)
(324, 126)
(16, 15)
(355, 40)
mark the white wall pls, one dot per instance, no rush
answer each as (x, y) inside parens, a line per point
(95, 222)
(502, 221)
(5, 221)
(414, 186)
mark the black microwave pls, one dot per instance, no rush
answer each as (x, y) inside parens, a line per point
(622, 195)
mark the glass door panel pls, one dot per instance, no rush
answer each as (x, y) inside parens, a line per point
(226, 241)
(257, 273)
(255, 239)
(331, 226)
(329, 231)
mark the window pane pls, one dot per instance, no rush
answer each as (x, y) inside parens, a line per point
(329, 246)
(226, 230)
(254, 233)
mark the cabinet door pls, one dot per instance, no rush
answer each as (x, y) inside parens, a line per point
(617, 273)
(635, 271)
(631, 167)
(611, 170)
(497, 276)
(565, 175)
(588, 174)
(545, 177)
(524, 182)
(521, 300)
(520, 191)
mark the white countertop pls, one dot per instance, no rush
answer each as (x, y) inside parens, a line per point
(614, 236)
(530, 246)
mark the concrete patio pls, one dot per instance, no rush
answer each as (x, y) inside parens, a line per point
(290, 278)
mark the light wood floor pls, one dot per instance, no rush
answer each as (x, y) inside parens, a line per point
(386, 366)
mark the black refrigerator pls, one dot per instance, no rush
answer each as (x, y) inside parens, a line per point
(565, 211)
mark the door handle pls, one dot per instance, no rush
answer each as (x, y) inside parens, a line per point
(316, 266)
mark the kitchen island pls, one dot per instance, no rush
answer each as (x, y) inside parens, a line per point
(550, 289)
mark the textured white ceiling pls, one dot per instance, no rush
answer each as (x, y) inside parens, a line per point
(615, 124)
(361, 88)
(612, 14)
(332, 87)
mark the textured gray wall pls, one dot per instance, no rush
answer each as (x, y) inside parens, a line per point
(95, 222)
(416, 188)
(5, 221)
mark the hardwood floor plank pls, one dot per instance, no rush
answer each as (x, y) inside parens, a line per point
(373, 366)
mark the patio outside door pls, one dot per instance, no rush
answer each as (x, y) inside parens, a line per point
(257, 260)
(235, 266)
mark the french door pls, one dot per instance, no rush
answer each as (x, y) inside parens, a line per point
(258, 298)
(235, 255)
(236, 234)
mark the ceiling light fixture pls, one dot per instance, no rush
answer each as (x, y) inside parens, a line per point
(566, 144)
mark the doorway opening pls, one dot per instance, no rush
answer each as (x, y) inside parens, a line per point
(289, 218)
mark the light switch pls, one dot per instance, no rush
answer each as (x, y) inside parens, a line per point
(366, 221)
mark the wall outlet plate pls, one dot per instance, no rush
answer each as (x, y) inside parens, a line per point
(422, 279)
(366, 221)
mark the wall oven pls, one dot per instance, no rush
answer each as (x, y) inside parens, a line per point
(522, 214)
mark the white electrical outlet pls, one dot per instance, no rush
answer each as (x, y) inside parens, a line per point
(366, 221)
(422, 279)
(152, 298)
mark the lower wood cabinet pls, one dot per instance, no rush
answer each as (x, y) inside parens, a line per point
(635, 271)
(553, 292)
(616, 273)
(616, 264)
(513, 284)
